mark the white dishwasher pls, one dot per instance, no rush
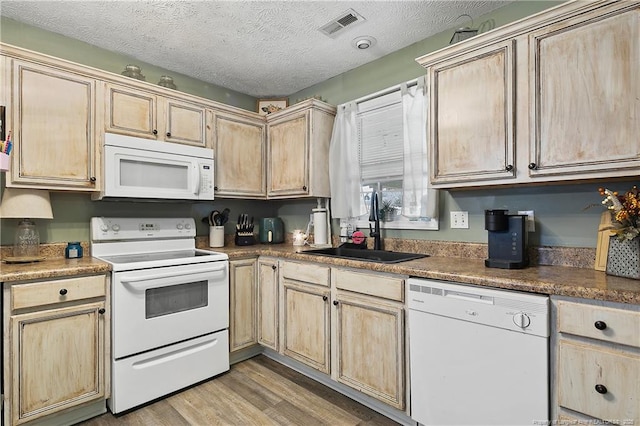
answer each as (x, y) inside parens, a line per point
(479, 356)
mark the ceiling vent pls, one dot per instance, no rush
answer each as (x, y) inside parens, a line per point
(347, 18)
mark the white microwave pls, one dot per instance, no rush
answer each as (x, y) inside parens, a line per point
(142, 168)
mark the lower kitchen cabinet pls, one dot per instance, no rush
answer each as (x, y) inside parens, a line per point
(305, 311)
(369, 335)
(242, 300)
(597, 361)
(268, 302)
(56, 351)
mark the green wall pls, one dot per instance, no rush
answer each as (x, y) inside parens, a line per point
(561, 218)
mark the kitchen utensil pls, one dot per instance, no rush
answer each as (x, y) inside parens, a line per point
(244, 231)
(224, 216)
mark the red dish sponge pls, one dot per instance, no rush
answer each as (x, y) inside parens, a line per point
(358, 237)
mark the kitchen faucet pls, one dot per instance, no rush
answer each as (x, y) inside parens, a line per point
(374, 216)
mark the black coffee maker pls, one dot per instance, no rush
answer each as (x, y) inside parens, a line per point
(507, 239)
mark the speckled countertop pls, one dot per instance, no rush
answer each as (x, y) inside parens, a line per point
(459, 262)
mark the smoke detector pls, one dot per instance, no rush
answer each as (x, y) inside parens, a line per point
(363, 42)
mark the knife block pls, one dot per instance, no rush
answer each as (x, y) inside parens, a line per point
(244, 238)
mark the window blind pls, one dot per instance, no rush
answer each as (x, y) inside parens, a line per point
(380, 138)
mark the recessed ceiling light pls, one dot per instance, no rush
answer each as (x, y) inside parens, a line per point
(363, 42)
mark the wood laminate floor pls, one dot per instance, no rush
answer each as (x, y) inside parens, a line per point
(258, 391)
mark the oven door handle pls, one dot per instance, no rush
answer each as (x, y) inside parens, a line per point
(166, 280)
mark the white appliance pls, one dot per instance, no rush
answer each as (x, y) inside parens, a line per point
(478, 356)
(169, 307)
(141, 168)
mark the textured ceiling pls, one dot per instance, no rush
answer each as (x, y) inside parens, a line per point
(261, 48)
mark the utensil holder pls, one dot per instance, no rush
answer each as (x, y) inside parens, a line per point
(216, 236)
(244, 238)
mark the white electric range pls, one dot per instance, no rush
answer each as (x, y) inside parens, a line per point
(169, 307)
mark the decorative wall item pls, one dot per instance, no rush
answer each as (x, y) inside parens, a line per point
(166, 81)
(267, 106)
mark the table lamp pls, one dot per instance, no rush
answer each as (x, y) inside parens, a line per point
(26, 204)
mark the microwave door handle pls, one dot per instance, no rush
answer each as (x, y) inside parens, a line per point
(196, 178)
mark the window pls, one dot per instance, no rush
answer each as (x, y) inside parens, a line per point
(382, 157)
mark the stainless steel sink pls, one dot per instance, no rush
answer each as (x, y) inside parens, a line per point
(379, 256)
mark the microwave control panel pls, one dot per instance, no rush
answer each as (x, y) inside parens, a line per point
(206, 180)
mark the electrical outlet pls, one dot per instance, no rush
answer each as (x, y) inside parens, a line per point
(531, 223)
(460, 220)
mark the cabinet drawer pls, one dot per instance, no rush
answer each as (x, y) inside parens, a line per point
(619, 326)
(306, 272)
(582, 367)
(373, 285)
(57, 291)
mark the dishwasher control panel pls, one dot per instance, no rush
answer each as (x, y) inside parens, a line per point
(507, 309)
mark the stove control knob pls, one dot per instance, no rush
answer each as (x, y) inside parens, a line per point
(104, 228)
(522, 320)
(179, 226)
(187, 226)
(115, 227)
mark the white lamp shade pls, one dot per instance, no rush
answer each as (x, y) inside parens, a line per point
(25, 204)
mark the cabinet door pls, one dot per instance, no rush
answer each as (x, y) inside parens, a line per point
(472, 135)
(370, 347)
(288, 156)
(185, 123)
(239, 144)
(242, 298)
(58, 360)
(268, 303)
(586, 93)
(306, 320)
(131, 112)
(53, 121)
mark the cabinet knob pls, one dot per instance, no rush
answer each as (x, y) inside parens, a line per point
(335, 303)
(601, 389)
(532, 166)
(325, 298)
(273, 267)
(101, 311)
(600, 325)
(304, 188)
(63, 291)
(509, 167)
(215, 188)
(168, 134)
(92, 179)
(155, 132)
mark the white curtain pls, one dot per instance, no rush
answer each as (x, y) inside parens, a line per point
(418, 200)
(344, 169)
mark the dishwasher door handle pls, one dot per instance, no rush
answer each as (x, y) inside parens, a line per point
(470, 297)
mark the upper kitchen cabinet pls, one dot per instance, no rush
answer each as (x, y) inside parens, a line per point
(138, 112)
(52, 115)
(585, 114)
(298, 150)
(472, 114)
(239, 141)
(553, 97)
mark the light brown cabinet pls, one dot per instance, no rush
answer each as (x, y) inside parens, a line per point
(240, 155)
(298, 150)
(52, 114)
(56, 347)
(550, 98)
(597, 358)
(242, 300)
(138, 112)
(369, 335)
(268, 302)
(305, 310)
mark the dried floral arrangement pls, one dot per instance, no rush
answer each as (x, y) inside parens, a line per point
(625, 212)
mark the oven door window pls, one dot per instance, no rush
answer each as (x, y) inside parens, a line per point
(176, 298)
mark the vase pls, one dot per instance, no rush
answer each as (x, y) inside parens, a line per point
(623, 258)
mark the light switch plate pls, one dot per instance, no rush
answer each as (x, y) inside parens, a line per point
(531, 223)
(459, 220)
